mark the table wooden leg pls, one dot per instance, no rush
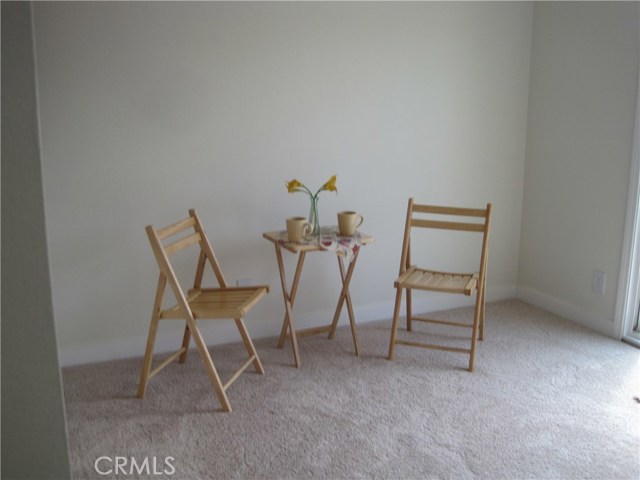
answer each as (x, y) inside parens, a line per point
(288, 303)
(346, 296)
(292, 297)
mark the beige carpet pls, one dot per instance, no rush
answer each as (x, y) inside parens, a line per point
(548, 399)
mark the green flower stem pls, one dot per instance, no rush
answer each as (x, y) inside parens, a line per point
(313, 215)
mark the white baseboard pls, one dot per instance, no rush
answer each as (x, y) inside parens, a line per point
(116, 349)
(169, 341)
(566, 310)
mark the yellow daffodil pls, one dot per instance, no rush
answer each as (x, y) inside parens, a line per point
(297, 186)
(294, 186)
(330, 185)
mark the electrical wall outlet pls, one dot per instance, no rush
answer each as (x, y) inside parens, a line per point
(243, 282)
(599, 279)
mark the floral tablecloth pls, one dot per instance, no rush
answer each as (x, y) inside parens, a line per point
(331, 241)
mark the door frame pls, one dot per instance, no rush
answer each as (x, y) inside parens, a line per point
(628, 301)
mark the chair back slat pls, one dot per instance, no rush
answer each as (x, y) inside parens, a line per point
(174, 228)
(182, 243)
(468, 227)
(464, 212)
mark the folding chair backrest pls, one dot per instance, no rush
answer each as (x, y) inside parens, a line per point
(416, 214)
(163, 247)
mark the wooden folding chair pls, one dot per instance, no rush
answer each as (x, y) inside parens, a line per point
(198, 303)
(416, 278)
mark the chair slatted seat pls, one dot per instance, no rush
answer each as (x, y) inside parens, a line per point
(421, 279)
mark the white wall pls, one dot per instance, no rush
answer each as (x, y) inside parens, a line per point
(148, 109)
(34, 441)
(584, 73)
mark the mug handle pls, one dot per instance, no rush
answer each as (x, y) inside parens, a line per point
(361, 221)
(306, 229)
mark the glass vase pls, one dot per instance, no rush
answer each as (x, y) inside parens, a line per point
(313, 217)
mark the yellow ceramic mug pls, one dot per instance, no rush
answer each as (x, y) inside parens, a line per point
(297, 228)
(348, 223)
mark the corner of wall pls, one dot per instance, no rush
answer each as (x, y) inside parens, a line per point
(566, 310)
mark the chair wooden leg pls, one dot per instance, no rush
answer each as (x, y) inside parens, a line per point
(476, 324)
(151, 338)
(394, 325)
(148, 356)
(409, 312)
(248, 344)
(482, 314)
(186, 338)
(210, 367)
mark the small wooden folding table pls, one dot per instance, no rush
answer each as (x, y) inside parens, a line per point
(328, 241)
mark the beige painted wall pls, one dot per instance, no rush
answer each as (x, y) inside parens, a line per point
(148, 109)
(584, 73)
